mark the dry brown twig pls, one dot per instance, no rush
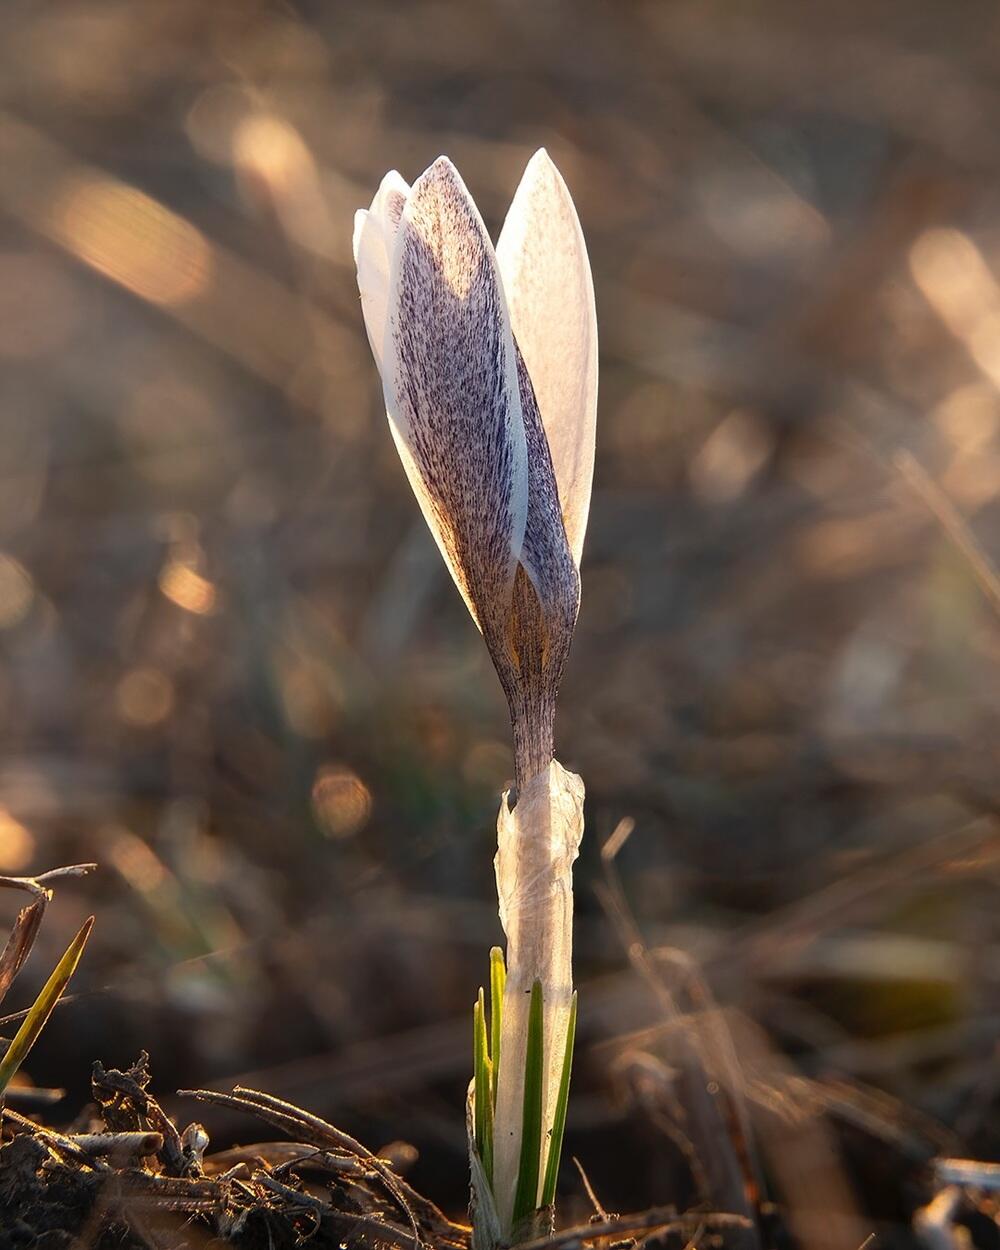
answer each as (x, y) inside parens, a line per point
(657, 1220)
(29, 918)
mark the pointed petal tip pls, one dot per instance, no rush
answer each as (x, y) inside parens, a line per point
(440, 172)
(438, 185)
(549, 287)
(392, 182)
(360, 217)
(543, 169)
(389, 203)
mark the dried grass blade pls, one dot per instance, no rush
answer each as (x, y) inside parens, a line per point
(19, 944)
(43, 1006)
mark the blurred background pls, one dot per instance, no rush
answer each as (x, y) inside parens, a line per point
(235, 673)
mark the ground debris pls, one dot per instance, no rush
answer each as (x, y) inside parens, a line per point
(133, 1181)
(44, 1203)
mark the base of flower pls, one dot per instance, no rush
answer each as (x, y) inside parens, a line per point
(540, 1144)
(487, 1231)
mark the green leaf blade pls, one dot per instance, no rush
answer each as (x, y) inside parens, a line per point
(526, 1194)
(481, 1074)
(559, 1122)
(498, 980)
(487, 1151)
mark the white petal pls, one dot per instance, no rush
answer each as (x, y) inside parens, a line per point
(389, 202)
(374, 234)
(451, 390)
(360, 217)
(550, 293)
(373, 278)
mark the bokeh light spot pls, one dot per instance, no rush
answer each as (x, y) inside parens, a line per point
(17, 844)
(969, 417)
(487, 761)
(341, 801)
(16, 592)
(136, 861)
(268, 148)
(310, 699)
(145, 696)
(956, 281)
(187, 588)
(731, 457)
(133, 240)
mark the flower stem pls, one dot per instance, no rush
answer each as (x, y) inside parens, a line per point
(538, 842)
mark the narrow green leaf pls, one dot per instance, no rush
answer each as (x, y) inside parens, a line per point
(479, 1073)
(484, 1089)
(526, 1194)
(498, 979)
(43, 1007)
(559, 1122)
(487, 1152)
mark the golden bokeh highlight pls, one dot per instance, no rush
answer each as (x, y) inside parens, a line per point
(16, 592)
(341, 801)
(269, 148)
(137, 863)
(271, 157)
(731, 457)
(956, 281)
(132, 239)
(844, 547)
(309, 696)
(144, 697)
(214, 117)
(187, 588)
(969, 417)
(17, 844)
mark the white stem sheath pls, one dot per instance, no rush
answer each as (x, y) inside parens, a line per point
(537, 843)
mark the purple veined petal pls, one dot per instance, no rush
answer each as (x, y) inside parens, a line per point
(550, 293)
(449, 373)
(545, 553)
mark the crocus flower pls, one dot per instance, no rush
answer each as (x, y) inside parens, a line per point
(488, 360)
